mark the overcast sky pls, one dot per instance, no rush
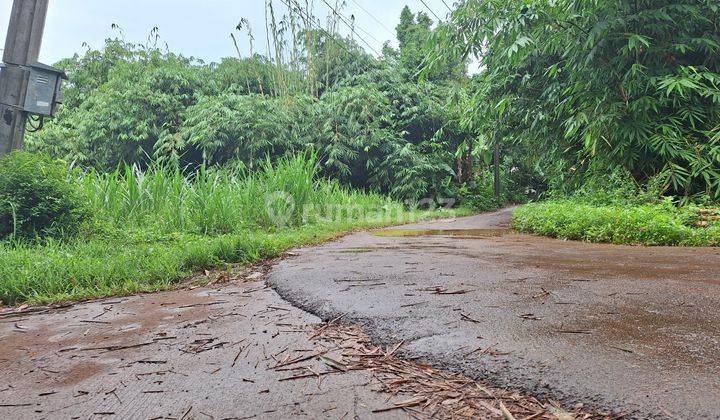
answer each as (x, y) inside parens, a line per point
(198, 28)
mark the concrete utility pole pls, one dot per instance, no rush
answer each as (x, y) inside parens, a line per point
(22, 47)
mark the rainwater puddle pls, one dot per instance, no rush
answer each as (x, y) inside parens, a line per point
(454, 233)
(357, 250)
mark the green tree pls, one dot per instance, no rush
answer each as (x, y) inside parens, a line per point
(245, 76)
(413, 34)
(248, 128)
(588, 86)
(121, 113)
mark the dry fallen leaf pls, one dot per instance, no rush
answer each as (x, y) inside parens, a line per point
(254, 276)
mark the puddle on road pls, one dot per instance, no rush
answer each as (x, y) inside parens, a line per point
(405, 233)
(455, 233)
(404, 247)
(357, 250)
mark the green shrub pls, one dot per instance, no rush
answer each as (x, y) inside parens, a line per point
(649, 224)
(36, 198)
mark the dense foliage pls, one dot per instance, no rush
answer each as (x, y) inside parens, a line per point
(580, 87)
(186, 165)
(567, 92)
(37, 198)
(372, 124)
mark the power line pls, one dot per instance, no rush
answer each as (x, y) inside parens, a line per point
(431, 10)
(352, 27)
(448, 7)
(355, 25)
(374, 18)
(310, 19)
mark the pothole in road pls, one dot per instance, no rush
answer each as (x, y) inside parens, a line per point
(454, 233)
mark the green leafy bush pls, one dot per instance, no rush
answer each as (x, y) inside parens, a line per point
(479, 196)
(37, 198)
(246, 127)
(616, 187)
(649, 224)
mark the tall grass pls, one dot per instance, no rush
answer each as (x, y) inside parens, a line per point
(217, 201)
(153, 228)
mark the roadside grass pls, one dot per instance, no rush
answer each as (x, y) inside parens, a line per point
(155, 228)
(641, 224)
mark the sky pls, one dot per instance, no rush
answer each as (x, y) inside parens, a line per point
(198, 28)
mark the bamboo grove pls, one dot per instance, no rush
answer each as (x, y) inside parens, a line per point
(596, 86)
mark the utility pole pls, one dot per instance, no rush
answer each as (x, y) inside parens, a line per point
(22, 48)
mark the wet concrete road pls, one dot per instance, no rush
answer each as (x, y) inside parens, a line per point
(207, 353)
(631, 328)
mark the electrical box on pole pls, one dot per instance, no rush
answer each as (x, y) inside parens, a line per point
(26, 86)
(43, 95)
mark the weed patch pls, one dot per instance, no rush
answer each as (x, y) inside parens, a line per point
(649, 224)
